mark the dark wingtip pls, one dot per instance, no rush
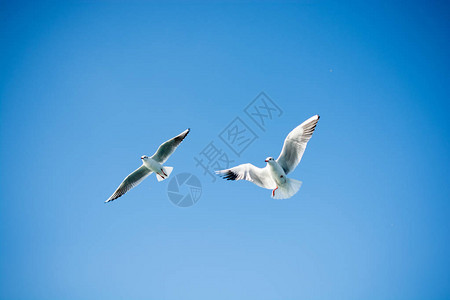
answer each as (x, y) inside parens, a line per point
(182, 135)
(229, 175)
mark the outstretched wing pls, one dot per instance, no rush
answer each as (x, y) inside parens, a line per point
(295, 144)
(130, 182)
(167, 148)
(258, 176)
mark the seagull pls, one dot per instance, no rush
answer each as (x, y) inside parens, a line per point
(150, 165)
(273, 176)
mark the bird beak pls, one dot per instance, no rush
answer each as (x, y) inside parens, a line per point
(266, 160)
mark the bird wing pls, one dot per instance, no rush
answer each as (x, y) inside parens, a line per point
(130, 182)
(258, 176)
(295, 144)
(167, 148)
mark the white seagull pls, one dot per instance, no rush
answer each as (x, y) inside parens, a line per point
(273, 176)
(149, 165)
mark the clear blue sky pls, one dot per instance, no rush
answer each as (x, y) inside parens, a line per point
(87, 88)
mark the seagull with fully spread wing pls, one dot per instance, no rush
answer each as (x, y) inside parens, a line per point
(150, 165)
(273, 176)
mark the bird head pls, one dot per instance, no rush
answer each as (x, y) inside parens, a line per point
(144, 157)
(269, 160)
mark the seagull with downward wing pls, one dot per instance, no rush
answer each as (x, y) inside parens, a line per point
(150, 165)
(274, 175)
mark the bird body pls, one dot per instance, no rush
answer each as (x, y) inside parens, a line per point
(276, 171)
(150, 165)
(156, 167)
(274, 175)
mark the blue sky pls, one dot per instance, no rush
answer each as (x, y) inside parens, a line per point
(86, 88)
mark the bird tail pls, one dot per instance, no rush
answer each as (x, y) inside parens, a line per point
(287, 190)
(167, 171)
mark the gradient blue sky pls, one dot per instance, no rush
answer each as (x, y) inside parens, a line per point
(86, 88)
